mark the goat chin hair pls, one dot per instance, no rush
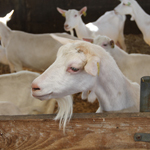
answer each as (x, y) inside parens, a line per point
(65, 110)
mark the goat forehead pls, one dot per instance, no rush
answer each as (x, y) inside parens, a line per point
(70, 51)
(126, 1)
(71, 12)
(101, 39)
(74, 54)
(72, 47)
(65, 49)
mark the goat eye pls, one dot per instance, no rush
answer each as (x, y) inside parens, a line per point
(74, 69)
(75, 15)
(104, 44)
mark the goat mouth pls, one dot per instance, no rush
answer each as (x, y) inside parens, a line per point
(115, 12)
(67, 29)
(42, 97)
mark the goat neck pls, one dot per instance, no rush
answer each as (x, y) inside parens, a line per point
(113, 90)
(4, 34)
(119, 55)
(82, 30)
(141, 17)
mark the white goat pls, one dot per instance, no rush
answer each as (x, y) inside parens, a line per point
(8, 108)
(133, 66)
(15, 88)
(110, 24)
(82, 66)
(131, 7)
(35, 51)
(3, 58)
(5, 19)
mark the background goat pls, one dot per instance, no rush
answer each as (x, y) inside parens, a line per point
(133, 66)
(131, 7)
(15, 88)
(109, 24)
(35, 51)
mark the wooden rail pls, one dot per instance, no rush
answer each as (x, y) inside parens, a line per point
(84, 132)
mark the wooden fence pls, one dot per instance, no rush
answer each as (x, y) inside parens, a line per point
(84, 132)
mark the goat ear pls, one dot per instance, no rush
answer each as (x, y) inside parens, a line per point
(93, 66)
(9, 15)
(83, 11)
(112, 44)
(61, 39)
(88, 40)
(61, 11)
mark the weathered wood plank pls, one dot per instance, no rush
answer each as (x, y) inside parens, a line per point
(84, 132)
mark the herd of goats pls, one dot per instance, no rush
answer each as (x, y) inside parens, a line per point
(94, 63)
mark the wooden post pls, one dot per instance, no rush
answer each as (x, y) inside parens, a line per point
(145, 94)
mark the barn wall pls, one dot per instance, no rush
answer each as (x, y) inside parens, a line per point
(37, 16)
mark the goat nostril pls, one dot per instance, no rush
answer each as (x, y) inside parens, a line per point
(35, 89)
(115, 11)
(66, 25)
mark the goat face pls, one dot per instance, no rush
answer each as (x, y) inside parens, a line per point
(124, 8)
(72, 72)
(72, 19)
(104, 42)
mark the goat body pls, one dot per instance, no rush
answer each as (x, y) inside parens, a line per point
(8, 108)
(133, 66)
(15, 89)
(3, 57)
(131, 7)
(35, 51)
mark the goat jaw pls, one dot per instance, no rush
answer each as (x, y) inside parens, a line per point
(71, 32)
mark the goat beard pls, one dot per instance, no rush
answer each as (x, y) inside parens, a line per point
(65, 110)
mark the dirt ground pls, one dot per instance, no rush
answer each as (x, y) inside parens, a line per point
(134, 43)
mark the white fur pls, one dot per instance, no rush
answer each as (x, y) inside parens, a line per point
(6, 18)
(3, 57)
(8, 108)
(113, 90)
(142, 19)
(133, 66)
(35, 51)
(65, 110)
(109, 24)
(16, 88)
